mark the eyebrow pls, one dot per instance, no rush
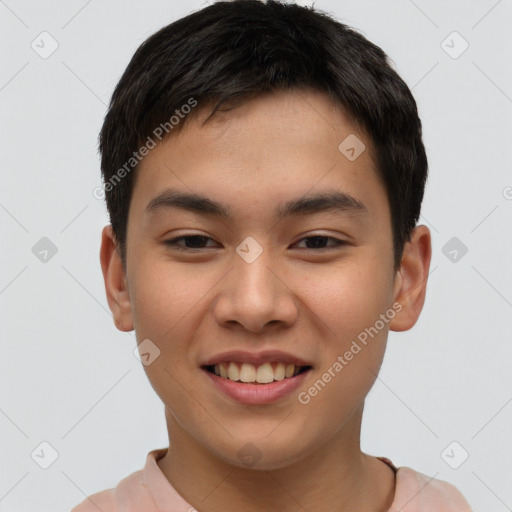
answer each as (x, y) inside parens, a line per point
(309, 204)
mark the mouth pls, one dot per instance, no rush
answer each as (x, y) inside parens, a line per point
(264, 373)
(256, 378)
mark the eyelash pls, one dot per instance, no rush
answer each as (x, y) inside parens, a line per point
(174, 242)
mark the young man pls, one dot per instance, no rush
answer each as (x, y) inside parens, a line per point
(264, 171)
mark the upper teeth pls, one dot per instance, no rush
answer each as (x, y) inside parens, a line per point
(262, 374)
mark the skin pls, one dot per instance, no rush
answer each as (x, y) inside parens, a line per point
(307, 301)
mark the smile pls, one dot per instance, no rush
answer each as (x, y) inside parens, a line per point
(260, 374)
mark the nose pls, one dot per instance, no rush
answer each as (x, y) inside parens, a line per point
(255, 295)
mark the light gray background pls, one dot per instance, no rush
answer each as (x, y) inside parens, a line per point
(69, 378)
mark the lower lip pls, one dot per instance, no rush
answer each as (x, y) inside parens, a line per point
(257, 394)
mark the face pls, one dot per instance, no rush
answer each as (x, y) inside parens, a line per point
(257, 287)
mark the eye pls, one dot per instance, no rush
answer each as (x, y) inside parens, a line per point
(197, 242)
(319, 242)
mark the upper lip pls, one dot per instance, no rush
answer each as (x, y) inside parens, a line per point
(255, 358)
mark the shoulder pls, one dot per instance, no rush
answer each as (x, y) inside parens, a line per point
(416, 492)
(126, 496)
(104, 500)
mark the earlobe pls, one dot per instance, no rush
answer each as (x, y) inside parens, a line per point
(114, 277)
(411, 279)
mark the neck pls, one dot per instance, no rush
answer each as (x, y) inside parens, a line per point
(335, 476)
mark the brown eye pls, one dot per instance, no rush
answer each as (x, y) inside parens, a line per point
(320, 241)
(192, 242)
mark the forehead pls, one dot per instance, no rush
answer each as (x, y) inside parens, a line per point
(286, 117)
(273, 148)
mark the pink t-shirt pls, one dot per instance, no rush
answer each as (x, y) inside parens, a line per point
(148, 490)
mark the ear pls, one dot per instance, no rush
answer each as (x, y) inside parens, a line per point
(411, 279)
(115, 281)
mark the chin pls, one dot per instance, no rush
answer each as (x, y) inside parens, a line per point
(262, 454)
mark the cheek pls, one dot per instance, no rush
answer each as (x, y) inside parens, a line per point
(165, 294)
(170, 303)
(350, 301)
(166, 300)
(348, 297)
